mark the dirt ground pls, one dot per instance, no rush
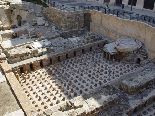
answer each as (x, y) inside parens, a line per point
(8, 102)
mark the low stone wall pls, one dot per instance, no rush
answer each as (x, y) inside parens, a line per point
(137, 105)
(139, 80)
(11, 32)
(37, 63)
(83, 107)
(114, 27)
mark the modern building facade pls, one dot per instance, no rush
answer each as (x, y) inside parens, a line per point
(138, 4)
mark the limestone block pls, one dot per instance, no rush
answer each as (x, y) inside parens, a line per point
(79, 52)
(62, 57)
(47, 24)
(5, 16)
(2, 56)
(138, 81)
(70, 54)
(44, 51)
(46, 62)
(36, 65)
(27, 68)
(83, 110)
(54, 59)
(40, 21)
(60, 114)
(21, 6)
(48, 112)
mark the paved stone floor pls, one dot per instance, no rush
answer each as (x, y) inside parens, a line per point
(70, 78)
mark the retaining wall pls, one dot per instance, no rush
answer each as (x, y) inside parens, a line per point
(114, 28)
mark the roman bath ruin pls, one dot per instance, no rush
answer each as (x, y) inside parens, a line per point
(76, 61)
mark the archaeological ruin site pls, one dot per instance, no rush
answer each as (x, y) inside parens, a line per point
(77, 61)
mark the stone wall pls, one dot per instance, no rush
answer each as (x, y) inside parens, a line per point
(54, 58)
(70, 23)
(114, 28)
(5, 14)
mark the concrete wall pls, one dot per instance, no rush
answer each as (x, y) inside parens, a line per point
(114, 27)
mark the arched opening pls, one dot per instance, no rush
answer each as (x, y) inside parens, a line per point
(41, 64)
(74, 53)
(98, 45)
(138, 60)
(66, 56)
(91, 48)
(31, 67)
(83, 51)
(59, 59)
(50, 60)
(21, 70)
(19, 20)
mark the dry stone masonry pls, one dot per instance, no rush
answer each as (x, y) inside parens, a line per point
(76, 63)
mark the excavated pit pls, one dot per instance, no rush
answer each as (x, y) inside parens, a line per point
(70, 78)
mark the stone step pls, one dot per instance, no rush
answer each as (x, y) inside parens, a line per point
(147, 111)
(87, 104)
(136, 105)
(137, 81)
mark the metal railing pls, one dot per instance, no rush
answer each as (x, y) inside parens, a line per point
(118, 12)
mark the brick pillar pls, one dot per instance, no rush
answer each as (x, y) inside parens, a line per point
(54, 59)
(27, 68)
(63, 57)
(46, 62)
(36, 65)
(70, 54)
(79, 52)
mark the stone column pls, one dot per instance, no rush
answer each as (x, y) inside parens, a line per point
(112, 2)
(125, 2)
(113, 58)
(140, 4)
(109, 57)
(106, 55)
(154, 7)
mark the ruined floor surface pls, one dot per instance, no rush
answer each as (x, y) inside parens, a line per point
(70, 78)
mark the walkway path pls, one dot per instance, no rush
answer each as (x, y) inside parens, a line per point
(76, 3)
(8, 104)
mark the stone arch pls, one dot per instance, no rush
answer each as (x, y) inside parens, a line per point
(19, 20)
